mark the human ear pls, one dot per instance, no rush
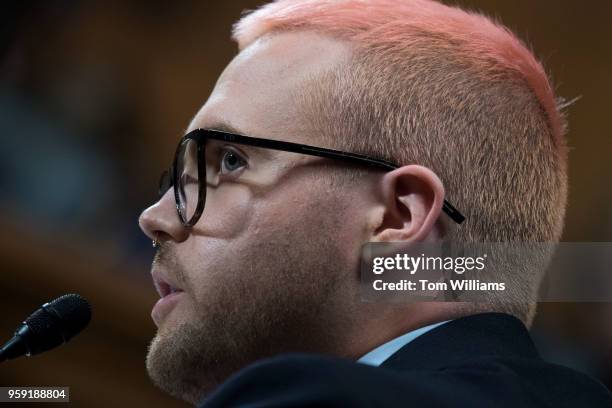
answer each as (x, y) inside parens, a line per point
(413, 197)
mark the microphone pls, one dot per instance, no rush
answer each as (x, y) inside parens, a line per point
(53, 324)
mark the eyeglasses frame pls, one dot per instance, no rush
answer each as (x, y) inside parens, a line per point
(198, 135)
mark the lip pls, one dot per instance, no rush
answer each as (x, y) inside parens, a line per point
(164, 306)
(169, 294)
(163, 284)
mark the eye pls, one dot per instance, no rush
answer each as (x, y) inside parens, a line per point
(231, 161)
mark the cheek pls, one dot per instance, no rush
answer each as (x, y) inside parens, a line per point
(303, 213)
(217, 240)
(227, 212)
(239, 229)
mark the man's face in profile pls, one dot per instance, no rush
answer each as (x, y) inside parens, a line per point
(271, 264)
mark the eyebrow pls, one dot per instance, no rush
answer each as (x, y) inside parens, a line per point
(226, 127)
(221, 126)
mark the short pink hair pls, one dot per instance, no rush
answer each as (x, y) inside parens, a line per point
(376, 23)
(449, 89)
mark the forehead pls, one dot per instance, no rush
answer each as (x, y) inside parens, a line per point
(260, 91)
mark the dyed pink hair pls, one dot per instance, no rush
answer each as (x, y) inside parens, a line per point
(451, 90)
(390, 24)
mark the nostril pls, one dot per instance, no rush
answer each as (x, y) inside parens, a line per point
(160, 237)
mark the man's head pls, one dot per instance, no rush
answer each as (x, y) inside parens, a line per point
(272, 264)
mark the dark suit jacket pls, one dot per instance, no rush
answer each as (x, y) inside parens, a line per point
(486, 360)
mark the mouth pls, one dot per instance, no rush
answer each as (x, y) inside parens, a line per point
(170, 295)
(163, 285)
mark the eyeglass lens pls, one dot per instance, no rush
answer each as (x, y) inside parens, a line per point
(187, 179)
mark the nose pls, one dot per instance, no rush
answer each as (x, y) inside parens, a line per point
(161, 221)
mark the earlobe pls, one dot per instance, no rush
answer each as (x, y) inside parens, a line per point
(413, 197)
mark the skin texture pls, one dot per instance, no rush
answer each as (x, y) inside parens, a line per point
(272, 265)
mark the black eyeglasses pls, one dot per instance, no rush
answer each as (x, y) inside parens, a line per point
(188, 171)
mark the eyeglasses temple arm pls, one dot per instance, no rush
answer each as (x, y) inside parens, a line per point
(452, 212)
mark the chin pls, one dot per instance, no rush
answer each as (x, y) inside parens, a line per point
(174, 366)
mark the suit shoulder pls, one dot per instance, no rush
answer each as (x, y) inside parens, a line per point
(290, 380)
(300, 380)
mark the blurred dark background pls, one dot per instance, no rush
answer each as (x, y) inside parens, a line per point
(93, 98)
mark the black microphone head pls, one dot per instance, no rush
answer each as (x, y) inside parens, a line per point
(56, 322)
(74, 312)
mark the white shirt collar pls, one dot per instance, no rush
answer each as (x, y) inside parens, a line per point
(381, 353)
